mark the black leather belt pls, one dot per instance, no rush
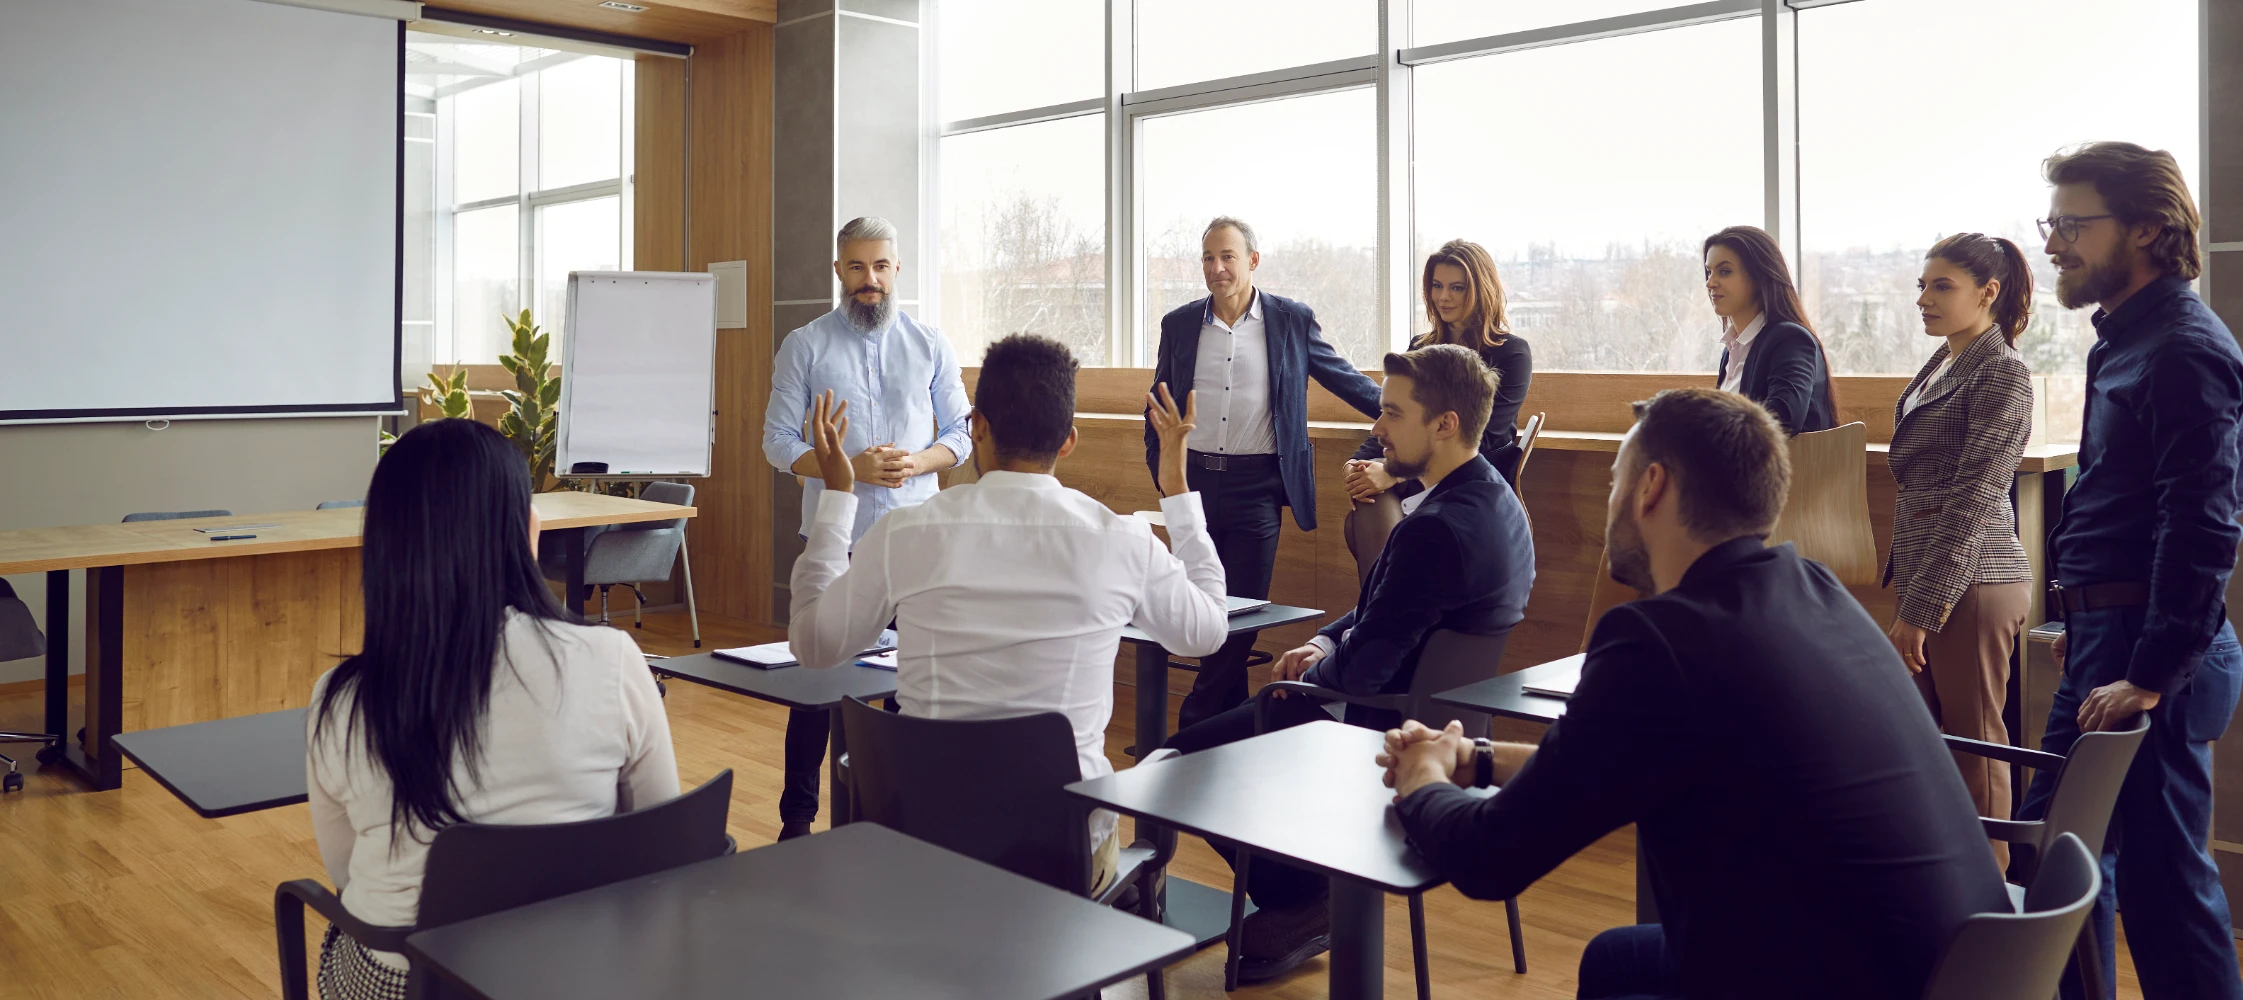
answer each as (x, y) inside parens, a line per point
(2097, 596)
(1233, 463)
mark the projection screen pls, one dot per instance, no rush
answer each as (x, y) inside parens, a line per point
(199, 210)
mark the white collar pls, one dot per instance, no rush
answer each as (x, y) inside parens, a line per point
(1253, 310)
(1743, 338)
(1030, 480)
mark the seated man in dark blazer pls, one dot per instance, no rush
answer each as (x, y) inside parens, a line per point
(1806, 831)
(1462, 560)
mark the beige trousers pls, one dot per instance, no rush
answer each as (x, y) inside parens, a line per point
(1966, 680)
(1366, 529)
(1105, 861)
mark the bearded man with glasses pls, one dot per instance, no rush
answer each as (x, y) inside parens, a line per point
(2142, 557)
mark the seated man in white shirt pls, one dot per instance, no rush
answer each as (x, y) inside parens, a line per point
(1009, 594)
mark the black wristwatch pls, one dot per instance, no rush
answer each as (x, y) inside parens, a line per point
(1483, 763)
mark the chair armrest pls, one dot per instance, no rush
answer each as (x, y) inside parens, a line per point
(1262, 698)
(306, 892)
(2011, 831)
(2005, 753)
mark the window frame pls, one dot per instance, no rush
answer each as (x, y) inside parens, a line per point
(528, 197)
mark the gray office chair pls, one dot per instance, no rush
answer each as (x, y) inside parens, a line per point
(339, 504)
(992, 790)
(1450, 660)
(476, 869)
(174, 515)
(2020, 956)
(2087, 786)
(630, 554)
(20, 639)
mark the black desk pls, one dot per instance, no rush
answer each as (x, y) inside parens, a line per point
(228, 766)
(1202, 912)
(795, 687)
(860, 911)
(1310, 796)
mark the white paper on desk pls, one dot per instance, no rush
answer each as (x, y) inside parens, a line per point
(770, 654)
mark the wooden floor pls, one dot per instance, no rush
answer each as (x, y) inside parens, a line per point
(130, 894)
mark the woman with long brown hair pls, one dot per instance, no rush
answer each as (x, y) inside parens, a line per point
(1769, 353)
(1959, 571)
(1464, 306)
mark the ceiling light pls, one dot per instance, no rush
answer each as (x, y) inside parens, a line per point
(629, 8)
(494, 31)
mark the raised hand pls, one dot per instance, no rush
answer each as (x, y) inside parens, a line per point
(828, 427)
(1174, 428)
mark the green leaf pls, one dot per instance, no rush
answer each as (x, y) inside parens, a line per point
(551, 394)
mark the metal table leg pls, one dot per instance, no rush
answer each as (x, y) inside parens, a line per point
(1358, 969)
(838, 810)
(58, 653)
(571, 541)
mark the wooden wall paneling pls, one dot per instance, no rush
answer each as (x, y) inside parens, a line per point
(691, 21)
(730, 211)
(658, 178)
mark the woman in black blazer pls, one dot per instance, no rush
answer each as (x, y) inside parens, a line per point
(1768, 354)
(1464, 304)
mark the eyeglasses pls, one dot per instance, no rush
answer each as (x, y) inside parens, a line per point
(2066, 227)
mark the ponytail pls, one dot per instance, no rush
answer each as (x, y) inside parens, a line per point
(1992, 258)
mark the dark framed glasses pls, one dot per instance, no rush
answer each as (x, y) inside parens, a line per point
(2066, 227)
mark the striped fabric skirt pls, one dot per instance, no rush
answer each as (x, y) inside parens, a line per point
(347, 971)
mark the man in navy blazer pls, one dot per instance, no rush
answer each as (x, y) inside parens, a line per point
(1249, 356)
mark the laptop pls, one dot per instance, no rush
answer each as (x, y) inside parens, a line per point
(1565, 676)
(1237, 606)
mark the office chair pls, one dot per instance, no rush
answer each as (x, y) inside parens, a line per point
(1826, 517)
(991, 789)
(2020, 956)
(2087, 786)
(175, 515)
(1450, 660)
(20, 639)
(339, 504)
(476, 869)
(630, 554)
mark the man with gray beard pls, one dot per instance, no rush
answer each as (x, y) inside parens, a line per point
(897, 380)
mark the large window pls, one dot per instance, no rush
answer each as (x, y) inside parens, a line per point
(1589, 145)
(1941, 145)
(528, 180)
(1317, 228)
(1594, 206)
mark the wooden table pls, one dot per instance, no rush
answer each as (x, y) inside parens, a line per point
(1309, 796)
(796, 687)
(862, 911)
(181, 629)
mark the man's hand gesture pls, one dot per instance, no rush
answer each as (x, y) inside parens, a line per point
(1173, 428)
(829, 426)
(884, 465)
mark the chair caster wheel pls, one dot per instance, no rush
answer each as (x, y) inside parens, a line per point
(81, 737)
(661, 689)
(12, 783)
(697, 644)
(48, 754)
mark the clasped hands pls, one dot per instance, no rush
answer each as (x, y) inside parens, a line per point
(880, 465)
(1366, 479)
(1416, 756)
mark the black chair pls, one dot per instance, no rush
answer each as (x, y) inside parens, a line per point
(2020, 956)
(1450, 660)
(476, 869)
(2087, 786)
(991, 789)
(20, 639)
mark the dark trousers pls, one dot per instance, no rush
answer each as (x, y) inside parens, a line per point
(1272, 884)
(1628, 963)
(1243, 504)
(2156, 866)
(807, 733)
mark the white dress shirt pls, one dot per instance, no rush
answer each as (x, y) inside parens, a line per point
(1740, 348)
(1009, 596)
(1232, 379)
(575, 730)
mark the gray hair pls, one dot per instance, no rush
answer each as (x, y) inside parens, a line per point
(1252, 245)
(874, 228)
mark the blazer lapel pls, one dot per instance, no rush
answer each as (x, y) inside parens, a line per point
(1182, 347)
(1279, 344)
(1972, 356)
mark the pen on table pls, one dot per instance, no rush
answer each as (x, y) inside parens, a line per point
(228, 538)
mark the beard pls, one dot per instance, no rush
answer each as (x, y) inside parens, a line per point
(2094, 281)
(1624, 548)
(1397, 467)
(869, 316)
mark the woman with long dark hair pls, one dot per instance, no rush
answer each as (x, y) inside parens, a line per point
(1769, 353)
(1464, 306)
(1962, 580)
(474, 697)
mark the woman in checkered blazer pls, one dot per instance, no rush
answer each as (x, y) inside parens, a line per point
(1958, 570)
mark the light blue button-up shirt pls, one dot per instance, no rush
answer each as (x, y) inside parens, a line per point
(903, 388)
